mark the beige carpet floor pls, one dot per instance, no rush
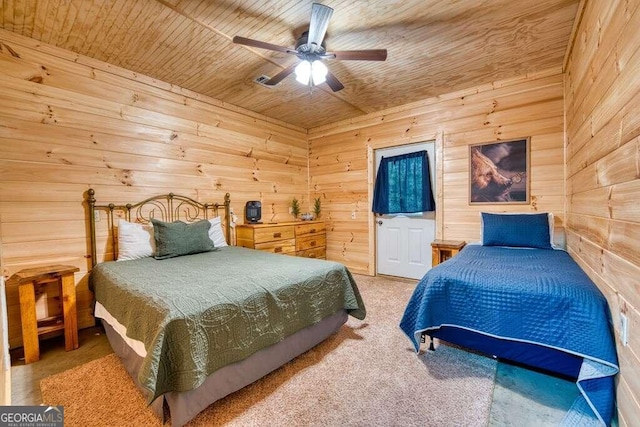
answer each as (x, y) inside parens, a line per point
(365, 375)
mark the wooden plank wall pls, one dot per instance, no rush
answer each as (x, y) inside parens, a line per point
(69, 122)
(340, 158)
(602, 93)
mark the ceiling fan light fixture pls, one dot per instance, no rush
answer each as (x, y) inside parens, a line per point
(311, 73)
(318, 72)
(303, 72)
(310, 49)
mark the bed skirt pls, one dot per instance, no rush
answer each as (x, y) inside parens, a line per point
(546, 359)
(184, 406)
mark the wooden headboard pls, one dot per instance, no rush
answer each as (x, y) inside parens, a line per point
(165, 207)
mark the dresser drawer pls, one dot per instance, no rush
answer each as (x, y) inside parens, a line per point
(286, 246)
(319, 253)
(316, 227)
(269, 234)
(306, 239)
(310, 242)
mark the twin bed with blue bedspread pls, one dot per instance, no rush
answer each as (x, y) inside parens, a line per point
(527, 304)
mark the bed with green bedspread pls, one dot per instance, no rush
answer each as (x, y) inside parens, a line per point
(197, 313)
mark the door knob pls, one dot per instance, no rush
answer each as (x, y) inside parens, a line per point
(379, 222)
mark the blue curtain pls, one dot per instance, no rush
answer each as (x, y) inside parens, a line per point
(403, 185)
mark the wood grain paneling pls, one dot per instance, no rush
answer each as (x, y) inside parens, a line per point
(340, 170)
(602, 95)
(434, 47)
(68, 123)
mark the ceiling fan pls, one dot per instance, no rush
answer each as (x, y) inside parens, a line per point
(310, 49)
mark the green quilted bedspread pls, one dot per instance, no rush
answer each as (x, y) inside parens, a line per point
(198, 313)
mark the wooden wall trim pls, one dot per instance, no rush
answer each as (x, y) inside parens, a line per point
(5, 360)
(439, 196)
(574, 33)
(371, 221)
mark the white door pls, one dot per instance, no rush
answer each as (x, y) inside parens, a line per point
(403, 241)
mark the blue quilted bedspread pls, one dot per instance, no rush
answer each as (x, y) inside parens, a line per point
(527, 295)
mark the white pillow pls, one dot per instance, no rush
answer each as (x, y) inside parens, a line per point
(135, 241)
(215, 233)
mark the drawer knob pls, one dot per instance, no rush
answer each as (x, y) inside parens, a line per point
(312, 243)
(312, 255)
(277, 234)
(277, 250)
(313, 230)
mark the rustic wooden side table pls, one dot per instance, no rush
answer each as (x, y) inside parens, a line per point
(442, 250)
(29, 280)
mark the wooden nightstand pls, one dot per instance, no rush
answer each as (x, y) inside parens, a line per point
(442, 250)
(29, 281)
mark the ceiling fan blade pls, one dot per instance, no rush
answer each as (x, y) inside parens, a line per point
(262, 45)
(333, 82)
(359, 55)
(281, 75)
(320, 15)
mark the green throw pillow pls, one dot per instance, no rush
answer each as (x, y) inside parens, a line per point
(179, 238)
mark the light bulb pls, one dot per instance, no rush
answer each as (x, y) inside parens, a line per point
(303, 72)
(318, 72)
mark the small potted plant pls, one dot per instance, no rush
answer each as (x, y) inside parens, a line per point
(317, 207)
(295, 208)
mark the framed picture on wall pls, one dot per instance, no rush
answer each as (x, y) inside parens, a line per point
(499, 172)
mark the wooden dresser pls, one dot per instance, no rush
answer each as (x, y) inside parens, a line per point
(300, 238)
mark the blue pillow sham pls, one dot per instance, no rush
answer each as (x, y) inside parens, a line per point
(516, 230)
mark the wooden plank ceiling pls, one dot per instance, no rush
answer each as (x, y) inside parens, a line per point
(434, 46)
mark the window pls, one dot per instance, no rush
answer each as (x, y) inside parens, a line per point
(403, 185)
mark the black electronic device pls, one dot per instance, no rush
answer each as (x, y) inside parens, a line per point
(253, 212)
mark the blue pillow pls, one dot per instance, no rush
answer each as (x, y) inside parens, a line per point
(516, 230)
